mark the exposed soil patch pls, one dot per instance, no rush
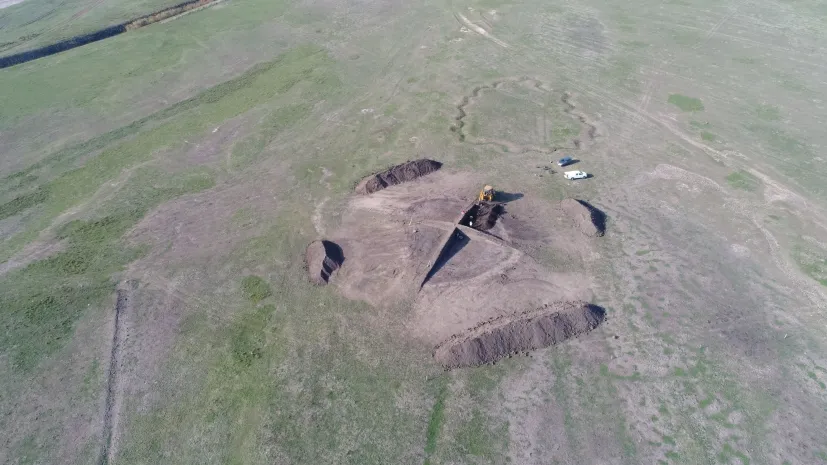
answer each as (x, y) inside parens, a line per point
(323, 258)
(590, 220)
(397, 175)
(482, 216)
(410, 243)
(466, 257)
(511, 334)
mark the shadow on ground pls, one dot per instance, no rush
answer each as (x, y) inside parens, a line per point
(506, 197)
(457, 242)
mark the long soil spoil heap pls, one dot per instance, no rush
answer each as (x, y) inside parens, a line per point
(510, 334)
(397, 175)
(590, 220)
(323, 258)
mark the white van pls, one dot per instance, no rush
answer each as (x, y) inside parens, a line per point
(575, 175)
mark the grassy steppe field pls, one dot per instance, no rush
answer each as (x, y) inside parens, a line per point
(185, 166)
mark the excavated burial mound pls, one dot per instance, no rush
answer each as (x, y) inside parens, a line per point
(482, 216)
(397, 175)
(506, 335)
(590, 220)
(323, 258)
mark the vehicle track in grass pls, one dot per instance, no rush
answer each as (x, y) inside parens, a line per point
(589, 130)
(113, 398)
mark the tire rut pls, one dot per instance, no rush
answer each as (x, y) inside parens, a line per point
(112, 403)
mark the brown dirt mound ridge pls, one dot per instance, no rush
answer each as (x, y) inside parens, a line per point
(590, 220)
(323, 258)
(397, 175)
(482, 216)
(510, 334)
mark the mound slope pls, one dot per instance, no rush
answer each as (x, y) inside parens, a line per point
(506, 335)
(323, 258)
(397, 175)
(590, 220)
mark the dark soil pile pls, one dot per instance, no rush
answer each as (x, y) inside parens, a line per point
(397, 175)
(323, 258)
(482, 216)
(590, 220)
(511, 334)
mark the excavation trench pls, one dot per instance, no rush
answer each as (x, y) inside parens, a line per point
(322, 259)
(482, 216)
(105, 33)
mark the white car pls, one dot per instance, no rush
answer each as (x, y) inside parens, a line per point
(576, 175)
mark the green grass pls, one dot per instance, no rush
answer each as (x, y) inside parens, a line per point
(435, 421)
(266, 368)
(706, 402)
(22, 203)
(43, 300)
(672, 455)
(248, 334)
(255, 289)
(251, 149)
(32, 24)
(743, 180)
(28, 452)
(166, 129)
(812, 262)
(623, 73)
(589, 400)
(685, 103)
(96, 76)
(791, 154)
(475, 438)
(506, 114)
(286, 372)
(767, 112)
(728, 453)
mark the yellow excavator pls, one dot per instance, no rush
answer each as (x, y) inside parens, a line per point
(486, 194)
